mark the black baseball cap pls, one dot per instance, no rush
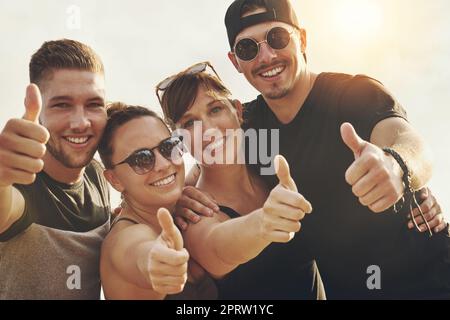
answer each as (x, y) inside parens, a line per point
(277, 10)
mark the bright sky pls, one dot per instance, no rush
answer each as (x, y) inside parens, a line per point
(403, 43)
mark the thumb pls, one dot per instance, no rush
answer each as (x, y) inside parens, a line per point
(169, 232)
(283, 173)
(351, 139)
(33, 103)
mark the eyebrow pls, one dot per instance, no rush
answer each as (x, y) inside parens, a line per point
(216, 100)
(96, 99)
(69, 98)
(185, 115)
(148, 148)
(209, 105)
(58, 98)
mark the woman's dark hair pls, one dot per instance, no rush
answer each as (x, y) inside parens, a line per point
(180, 95)
(120, 113)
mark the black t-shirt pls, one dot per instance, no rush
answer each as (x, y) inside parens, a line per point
(345, 237)
(81, 207)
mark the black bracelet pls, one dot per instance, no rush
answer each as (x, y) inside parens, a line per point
(406, 173)
(409, 194)
(406, 178)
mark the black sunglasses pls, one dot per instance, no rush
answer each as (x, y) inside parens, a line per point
(142, 161)
(195, 69)
(277, 38)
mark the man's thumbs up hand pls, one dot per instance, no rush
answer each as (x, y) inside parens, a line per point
(352, 140)
(33, 103)
(22, 143)
(375, 177)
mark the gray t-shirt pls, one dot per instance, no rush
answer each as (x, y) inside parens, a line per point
(53, 250)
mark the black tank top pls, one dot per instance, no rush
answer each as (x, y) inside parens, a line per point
(280, 271)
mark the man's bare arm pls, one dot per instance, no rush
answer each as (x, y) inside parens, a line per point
(22, 146)
(376, 176)
(12, 206)
(399, 135)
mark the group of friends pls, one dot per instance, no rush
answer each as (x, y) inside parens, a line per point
(347, 189)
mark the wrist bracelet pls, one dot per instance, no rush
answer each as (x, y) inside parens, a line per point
(409, 194)
(406, 173)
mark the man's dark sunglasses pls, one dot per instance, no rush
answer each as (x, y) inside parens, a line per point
(142, 161)
(277, 38)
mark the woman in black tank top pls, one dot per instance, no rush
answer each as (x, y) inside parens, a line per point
(248, 244)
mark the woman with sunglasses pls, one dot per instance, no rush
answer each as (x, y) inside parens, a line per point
(143, 256)
(246, 244)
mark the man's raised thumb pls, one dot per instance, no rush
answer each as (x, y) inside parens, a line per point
(351, 139)
(33, 103)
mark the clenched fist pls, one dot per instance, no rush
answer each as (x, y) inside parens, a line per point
(284, 208)
(22, 143)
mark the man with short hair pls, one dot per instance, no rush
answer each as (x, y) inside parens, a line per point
(54, 200)
(353, 154)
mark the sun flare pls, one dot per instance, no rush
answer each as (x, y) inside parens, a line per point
(359, 18)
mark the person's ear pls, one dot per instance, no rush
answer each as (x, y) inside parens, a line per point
(239, 109)
(233, 60)
(113, 180)
(303, 38)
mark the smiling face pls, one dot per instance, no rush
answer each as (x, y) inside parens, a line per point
(219, 117)
(273, 72)
(162, 186)
(74, 114)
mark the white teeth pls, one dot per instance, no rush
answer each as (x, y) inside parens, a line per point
(272, 73)
(164, 181)
(77, 140)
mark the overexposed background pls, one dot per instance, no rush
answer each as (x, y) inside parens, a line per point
(403, 43)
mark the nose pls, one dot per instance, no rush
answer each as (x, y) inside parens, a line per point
(210, 129)
(266, 53)
(208, 125)
(78, 120)
(161, 163)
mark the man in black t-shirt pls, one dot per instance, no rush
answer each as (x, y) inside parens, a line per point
(334, 129)
(54, 200)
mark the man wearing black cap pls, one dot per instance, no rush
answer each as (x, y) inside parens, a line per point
(352, 153)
